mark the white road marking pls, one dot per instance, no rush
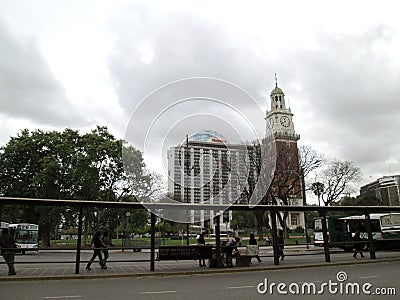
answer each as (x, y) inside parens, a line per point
(62, 297)
(159, 292)
(241, 287)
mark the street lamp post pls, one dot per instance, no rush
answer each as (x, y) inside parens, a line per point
(126, 241)
(187, 183)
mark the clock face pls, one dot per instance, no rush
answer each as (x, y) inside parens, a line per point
(285, 121)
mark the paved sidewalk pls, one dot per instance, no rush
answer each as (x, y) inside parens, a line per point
(37, 267)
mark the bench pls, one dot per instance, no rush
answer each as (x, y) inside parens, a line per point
(184, 252)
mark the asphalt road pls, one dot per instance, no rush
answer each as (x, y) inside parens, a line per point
(223, 286)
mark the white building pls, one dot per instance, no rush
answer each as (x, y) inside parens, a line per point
(201, 171)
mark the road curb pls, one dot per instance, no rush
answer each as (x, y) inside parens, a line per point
(194, 273)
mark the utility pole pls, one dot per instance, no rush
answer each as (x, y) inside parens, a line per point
(187, 160)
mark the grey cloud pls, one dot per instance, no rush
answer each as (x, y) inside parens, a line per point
(349, 92)
(185, 45)
(352, 90)
(28, 89)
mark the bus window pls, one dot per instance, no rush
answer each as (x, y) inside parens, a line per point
(391, 220)
(362, 226)
(354, 226)
(338, 225)
(318, 224)
(26, 236)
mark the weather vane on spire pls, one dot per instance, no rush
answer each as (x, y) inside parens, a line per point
(276, 81)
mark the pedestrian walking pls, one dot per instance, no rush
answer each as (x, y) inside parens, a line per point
(357, 245)
(106, 243)
(98, 246)
(7, 244)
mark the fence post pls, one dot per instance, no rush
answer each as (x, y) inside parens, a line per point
(79, 241)
(275, 242)
(371, 242)
(325, 234)
(152, 241)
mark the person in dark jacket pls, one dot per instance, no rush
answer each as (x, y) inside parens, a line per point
(98, 246)
(357, 245)
(253, 241)
(201, 242)
(7, 244)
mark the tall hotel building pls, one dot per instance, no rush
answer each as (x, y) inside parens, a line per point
(208, 160)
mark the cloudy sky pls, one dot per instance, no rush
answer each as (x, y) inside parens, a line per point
(79, 64)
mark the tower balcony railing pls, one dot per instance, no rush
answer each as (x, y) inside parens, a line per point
(286, 135)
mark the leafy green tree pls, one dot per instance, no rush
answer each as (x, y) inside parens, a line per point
(242, 220)
(68, 165)
(33, 165)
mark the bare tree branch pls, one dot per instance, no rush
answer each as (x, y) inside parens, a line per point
(337, 179)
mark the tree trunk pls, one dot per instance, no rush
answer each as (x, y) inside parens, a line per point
(259, 217)
(46, 237)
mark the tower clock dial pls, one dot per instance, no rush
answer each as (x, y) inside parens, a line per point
(285, 121)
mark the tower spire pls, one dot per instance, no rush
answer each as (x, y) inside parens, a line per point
(276, 81)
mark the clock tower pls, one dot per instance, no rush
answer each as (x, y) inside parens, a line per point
(287, 177)
(279, 118)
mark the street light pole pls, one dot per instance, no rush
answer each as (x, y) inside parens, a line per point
(187, 159)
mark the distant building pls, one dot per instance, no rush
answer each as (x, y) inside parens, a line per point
(386, 189)
(208, 160)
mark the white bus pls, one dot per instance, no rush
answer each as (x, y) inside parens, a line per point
(26, 236)
(385, 228)
(3, 225)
